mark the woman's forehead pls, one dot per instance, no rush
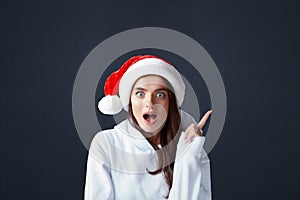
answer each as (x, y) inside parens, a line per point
(150, 80)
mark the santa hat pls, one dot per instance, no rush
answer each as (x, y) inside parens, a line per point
(122, 81)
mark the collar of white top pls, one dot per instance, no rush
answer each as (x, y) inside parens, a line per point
(134, 134)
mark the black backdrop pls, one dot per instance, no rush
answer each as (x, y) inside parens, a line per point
(255, 45)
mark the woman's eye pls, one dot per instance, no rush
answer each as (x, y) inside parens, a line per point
(160, 95)
(139, 94)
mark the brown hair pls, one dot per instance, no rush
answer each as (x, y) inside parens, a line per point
(168, 139)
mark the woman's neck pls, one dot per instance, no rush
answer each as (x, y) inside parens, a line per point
(154, 140)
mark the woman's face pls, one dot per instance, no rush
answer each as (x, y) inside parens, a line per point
(150, 103)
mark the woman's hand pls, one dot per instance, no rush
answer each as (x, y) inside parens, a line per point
(195, 130)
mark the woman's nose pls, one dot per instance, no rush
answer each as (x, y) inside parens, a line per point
(148, 101)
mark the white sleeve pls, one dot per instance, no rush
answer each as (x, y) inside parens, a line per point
(191, 175)
(98, 183)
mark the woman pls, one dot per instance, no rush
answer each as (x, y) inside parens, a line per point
(149, 155)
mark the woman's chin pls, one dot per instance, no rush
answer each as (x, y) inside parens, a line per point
(152, 129)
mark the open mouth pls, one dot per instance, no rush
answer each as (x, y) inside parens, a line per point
(149, 118)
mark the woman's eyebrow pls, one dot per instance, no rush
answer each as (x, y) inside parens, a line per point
(140, 88)
(159, 89)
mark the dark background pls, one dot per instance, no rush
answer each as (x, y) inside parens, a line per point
(255, 45)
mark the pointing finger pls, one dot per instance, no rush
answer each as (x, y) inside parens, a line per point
(204, 119)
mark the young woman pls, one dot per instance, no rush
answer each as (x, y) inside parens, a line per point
(157, 153)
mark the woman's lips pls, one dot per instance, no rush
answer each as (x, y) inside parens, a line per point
(149, 118)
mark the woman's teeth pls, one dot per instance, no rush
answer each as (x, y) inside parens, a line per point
(150, 117)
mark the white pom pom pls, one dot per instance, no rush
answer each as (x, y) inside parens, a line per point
(110, 105)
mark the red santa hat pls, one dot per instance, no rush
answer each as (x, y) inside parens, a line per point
(122, 81)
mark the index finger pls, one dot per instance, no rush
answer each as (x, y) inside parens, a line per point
(204, 119)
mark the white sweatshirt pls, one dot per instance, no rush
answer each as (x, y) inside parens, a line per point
(117, 163)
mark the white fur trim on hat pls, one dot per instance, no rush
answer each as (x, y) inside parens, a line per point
(110, 105)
